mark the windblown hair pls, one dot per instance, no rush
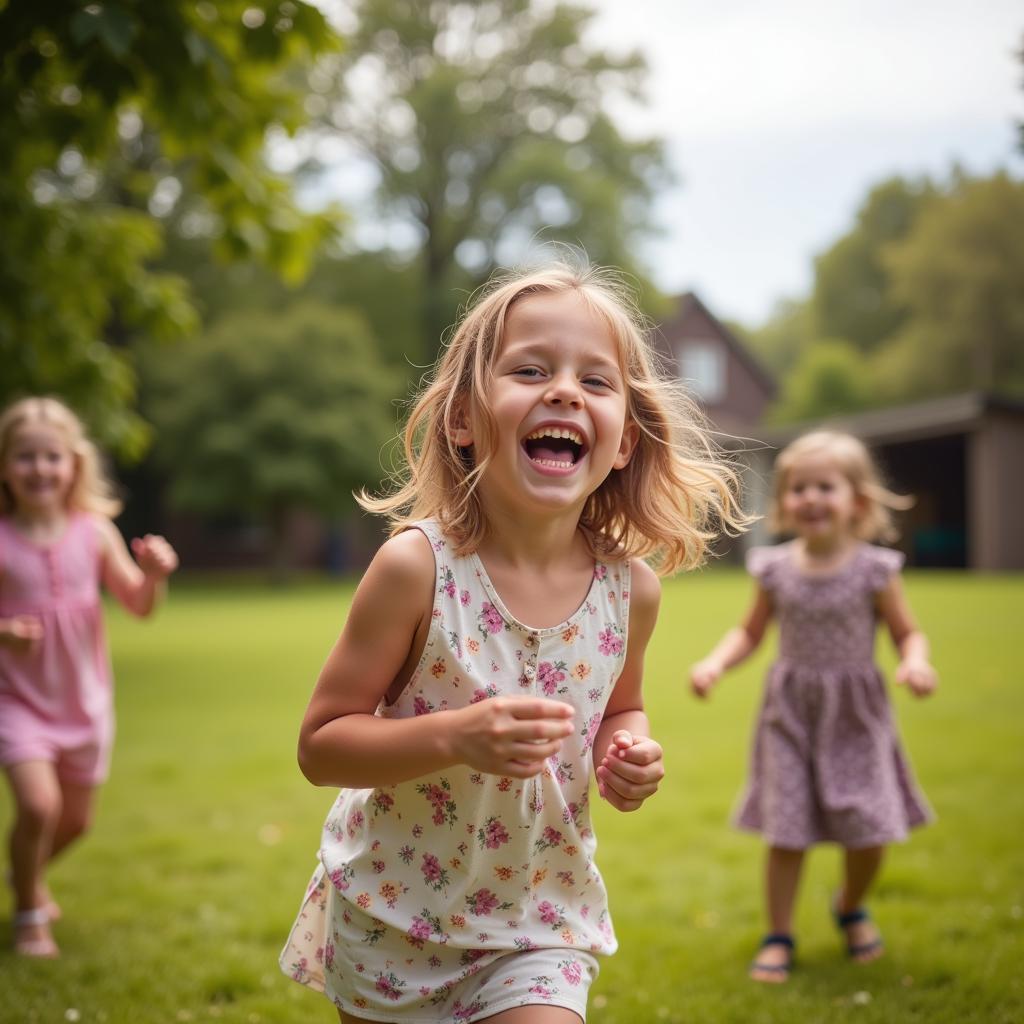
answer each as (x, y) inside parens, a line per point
(852, 458)
(91, 489)
(675, 495)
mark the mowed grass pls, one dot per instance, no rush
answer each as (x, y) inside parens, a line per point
(177, 904)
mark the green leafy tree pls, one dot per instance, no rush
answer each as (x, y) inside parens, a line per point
(488, 126)
(959, 276)
(830, 377)
(852, 298)
(109, 111)
(266, 415)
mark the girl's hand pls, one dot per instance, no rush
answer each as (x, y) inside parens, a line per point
(704, 675)
(155, 556)
(630, 771)
(21, 633)
(510, 735)
(918, 675)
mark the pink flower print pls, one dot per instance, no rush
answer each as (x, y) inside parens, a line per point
(594, 695)
(433, 874)
(570, 634)
(490, 620)
(341, 878)
(329, 955)
(356, 820)
(571, 971)
(437, 669)
(420, 705)
(492, 835)
(417, 831)
(600, 571)
(464, 598)
(609, 641)
(382, 803)
(473, 645)
(460, 1012)
(483, 693)
(590, 731)
(566, 878)
(298, 971)
(482, 903)
(549, 675)
(419, 932)
(448, 583)
(440, 799)
(389, 985)
(539, 988)
(406, 853)
(549, 840)
(363, 901)
(505, 784)
(378, 866)
(457, 921)
(550, 914)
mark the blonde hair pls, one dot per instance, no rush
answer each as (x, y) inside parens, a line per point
(91, 489)
(852, 458)
(668, 503)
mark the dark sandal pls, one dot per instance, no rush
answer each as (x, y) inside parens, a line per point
(843, 921)
(778, 971)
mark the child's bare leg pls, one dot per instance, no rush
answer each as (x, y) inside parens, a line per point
(77, 804)
(37, 798)
(782, 878)
(860, 870)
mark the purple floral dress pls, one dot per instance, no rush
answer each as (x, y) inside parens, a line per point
(424, 883)
(827, 763)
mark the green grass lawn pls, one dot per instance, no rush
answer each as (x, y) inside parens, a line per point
(177, 905)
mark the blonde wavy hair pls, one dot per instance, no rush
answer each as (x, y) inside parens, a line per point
(851, 457)
(674, 496)
(91, 490)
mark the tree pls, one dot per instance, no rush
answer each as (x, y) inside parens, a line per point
(958, 276)
(851, 297)
(264, 415)
(488, 127)
(85, 88)
(830, 377)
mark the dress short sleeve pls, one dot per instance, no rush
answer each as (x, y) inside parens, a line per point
(762, 563)
(883, 564)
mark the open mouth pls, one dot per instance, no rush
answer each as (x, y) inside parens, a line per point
(558, 447)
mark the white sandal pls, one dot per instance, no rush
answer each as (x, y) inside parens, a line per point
(42, 946)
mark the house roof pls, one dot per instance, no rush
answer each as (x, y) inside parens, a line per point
(936, 417)
(685, 305)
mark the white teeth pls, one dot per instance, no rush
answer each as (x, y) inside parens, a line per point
(557, 432)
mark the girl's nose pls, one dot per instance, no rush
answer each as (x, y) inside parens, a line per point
(564, 389)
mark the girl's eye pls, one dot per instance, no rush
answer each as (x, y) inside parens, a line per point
(596, 382)
(526, 371)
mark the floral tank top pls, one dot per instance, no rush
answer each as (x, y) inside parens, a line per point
(479, 861)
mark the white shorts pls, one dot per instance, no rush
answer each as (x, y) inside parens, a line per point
(377, 983)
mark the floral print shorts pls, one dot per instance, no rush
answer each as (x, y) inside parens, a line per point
(372, 973)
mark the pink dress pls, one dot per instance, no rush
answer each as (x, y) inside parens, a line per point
(827, 764)
(56, 699)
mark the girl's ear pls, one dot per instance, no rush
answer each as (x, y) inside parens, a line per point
(630, 437)
(459, 432)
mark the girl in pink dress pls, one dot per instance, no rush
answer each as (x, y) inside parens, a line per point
(58, 544)
(490, 669)
(827, 763)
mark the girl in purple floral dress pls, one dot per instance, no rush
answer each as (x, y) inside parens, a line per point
(827, 763)
(491, 666)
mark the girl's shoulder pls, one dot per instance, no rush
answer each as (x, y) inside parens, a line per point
(880, 565)
(765, 563)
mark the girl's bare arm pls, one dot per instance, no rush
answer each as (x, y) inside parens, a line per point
(343, 743)
(736, 646)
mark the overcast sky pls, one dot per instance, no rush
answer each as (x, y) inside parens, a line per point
(779, 116)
